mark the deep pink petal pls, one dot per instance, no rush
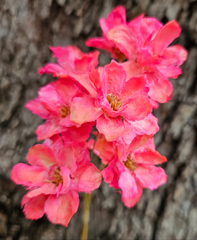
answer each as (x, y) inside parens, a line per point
(111, 174)
(150, 176)
(138, 141)
(116, 17)
(34, 207)
(28, 175)
(65, 173)
(41, 155)
(165, 36)
(133, 86)
(88, 176)
(114, 78)
(84, 110)
(137, 108)
(60, 209)
(149, 156)
(111, 128)
(66, 156)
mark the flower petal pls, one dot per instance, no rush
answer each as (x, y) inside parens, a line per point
(137, 108)
(128, 184)
(28, 175)
(150, 176)
(60, 209)
(84, 110)
(165, 36)
(41, 155)
(34, 207)
(88, 176)
(148, 156)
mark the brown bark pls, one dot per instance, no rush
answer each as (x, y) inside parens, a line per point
(27, 28)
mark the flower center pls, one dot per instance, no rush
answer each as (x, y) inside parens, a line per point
(119, 54)
(56, 178)
(64, 111)
(114, 102)
(130, 164)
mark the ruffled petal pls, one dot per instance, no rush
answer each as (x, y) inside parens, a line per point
(88, 177)
(84, 110)
(36, 107)
(34, 207)
(60, 209)
(137, 108)
(150, 176)
(41, 155)
(26, 175)
(128, 184)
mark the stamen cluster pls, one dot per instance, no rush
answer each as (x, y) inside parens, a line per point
(117, 100)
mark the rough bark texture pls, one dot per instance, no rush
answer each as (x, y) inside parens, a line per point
(27, 28)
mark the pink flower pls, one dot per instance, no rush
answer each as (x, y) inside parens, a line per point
(116, 17)
(70, 59)
(135, 169)
(150, 54)
(112, 101)
(53, 104)
(57, 172)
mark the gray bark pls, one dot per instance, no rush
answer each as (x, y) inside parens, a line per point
(27, 28)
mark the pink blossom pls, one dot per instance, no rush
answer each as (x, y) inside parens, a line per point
(57, 172)
(134, 170)
(70, 59)
(53, 104)
(112, 101)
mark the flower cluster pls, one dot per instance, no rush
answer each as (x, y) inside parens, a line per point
(117, 100)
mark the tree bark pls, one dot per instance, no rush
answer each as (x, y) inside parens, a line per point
(27, 29)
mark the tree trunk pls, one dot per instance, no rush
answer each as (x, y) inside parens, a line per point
(27, 29)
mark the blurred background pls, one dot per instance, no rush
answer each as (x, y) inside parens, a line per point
(27, 29)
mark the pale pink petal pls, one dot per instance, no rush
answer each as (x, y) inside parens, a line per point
(111, 128)
(34, 207)
(66, 156)
(84, 110)
(132, 69)
(174, 55)
(137, 108)
(128, 184)
(133, 86)
(165, 36)
(48, 129)
(28, 175)
(150, 176)
(148, 125)
(130, 202)
(124, 40)
(41, 155)
(160, 87)
(88, 177)
(36, 107)
(60, 209)
(148, 156)
(170, 72)
(114, 77)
